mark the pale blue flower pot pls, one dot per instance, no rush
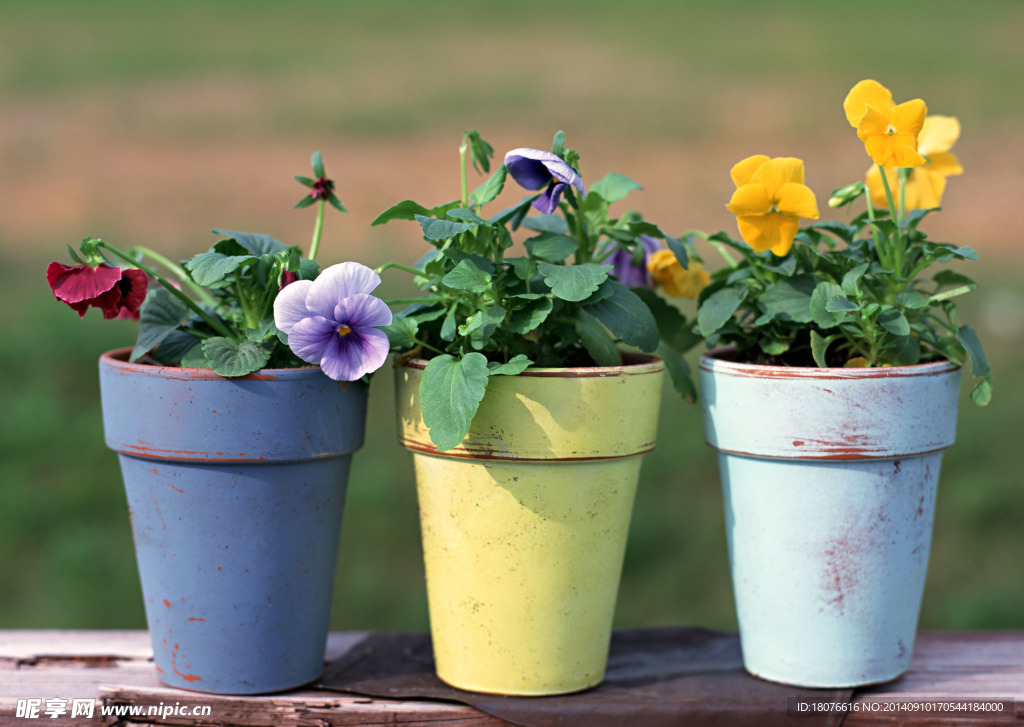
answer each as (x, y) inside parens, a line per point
(829, 478)
(235, 489)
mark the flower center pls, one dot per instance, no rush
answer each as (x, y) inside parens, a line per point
(344, 330)
(891, 131)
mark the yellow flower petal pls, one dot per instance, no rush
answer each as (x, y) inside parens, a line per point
(780, 171)
(873, 123)
(943, 163)
(774, 231)
(938, 134)
(750, 199)
(743, 171)
(904, 151)
(908, 118)
(673, 278)
(797, 199)
(924, 187)
(864, 94)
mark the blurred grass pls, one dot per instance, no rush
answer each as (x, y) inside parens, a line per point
(177, 80)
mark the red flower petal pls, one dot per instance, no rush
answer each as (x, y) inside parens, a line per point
(81, 283)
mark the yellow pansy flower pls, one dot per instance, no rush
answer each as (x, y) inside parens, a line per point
(673, 278)
(770, 198)
(926, 183)
(889, 131)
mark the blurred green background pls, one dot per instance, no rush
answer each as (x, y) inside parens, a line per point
(152, 122)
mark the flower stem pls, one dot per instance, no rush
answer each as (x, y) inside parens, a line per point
(213, 322)
(314, 245)
(462, 170)
(178, 273)
(413, 301)
(898, 242)
(406, 268)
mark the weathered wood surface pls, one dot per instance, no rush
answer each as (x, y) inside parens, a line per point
(115, 668)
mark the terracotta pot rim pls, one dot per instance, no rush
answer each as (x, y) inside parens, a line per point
(634, 363)
(118, 359)
(713, 361)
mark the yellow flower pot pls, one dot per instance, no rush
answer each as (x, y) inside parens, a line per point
(525, 522)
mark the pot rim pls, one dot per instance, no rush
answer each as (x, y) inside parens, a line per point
(714, 361)
(634, 363)
(118, 359)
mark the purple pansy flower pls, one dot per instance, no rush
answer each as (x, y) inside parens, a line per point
(533, 168)
(626, 272)
(332, 321)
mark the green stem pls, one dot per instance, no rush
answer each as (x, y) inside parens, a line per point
(210, 320)
(176, 270)
(898, 241)
(462, 171)
(427, 345)
(398, 266)
(314, 246)
(413, 301)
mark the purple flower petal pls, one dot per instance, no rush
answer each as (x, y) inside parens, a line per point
(362, 311)
(547, 202)
(533, 168)
(337, 282)
(350, 357)
(312, 337)
(290, 305)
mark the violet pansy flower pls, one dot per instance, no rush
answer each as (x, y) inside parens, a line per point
(533, 169)
(333, 321)
(628, 273)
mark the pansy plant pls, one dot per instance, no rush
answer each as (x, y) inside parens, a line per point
(554, 280)
(846, 293)
(233, 307)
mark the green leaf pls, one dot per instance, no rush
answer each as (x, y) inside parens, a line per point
(467, 276)
(614, 187)
(626, 316)
(401, 332)
(512, 367)
(448, 326)
(789, 299)
(773, 346)
(450, 394)
(481, 325)
(673, 327)
(819, 347)
(911, 299)
(840, 304)
(255, 244)
(851, 280)
(523, 267)
(892, 320)
(822, 316)
(490, 189)
(679, 250)
(906, 352)
(196, 359)
(469, 216)
(266, 327)
(160, 315)
(482, 151)
(678, 371)
(404, 210)
(718, 309)
(982, 393)
(547, 223)
(551, 247)
(232, 359)
(596, 339)
(574, 282)
(208, 268)
(318, 164)
(528, 317)
(438, 230)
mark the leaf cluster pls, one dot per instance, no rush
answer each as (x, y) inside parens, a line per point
(235, 335)
(491, 308)
(846, 294)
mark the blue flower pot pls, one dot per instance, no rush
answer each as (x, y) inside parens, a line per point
(829, 478)
(235, 489)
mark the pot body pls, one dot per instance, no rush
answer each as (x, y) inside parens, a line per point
(829, 478)
(525, 523)
(235, 489)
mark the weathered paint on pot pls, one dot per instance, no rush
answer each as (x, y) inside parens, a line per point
(235, 489)
(829, 478)
(525, 523)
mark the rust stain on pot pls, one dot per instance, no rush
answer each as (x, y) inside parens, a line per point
(186, 455)
(193, 618)
(167, 603)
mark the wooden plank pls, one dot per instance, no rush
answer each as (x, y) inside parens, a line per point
(115, 667)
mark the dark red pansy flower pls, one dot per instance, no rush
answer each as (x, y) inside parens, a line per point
(118, 293)
(287, 278)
